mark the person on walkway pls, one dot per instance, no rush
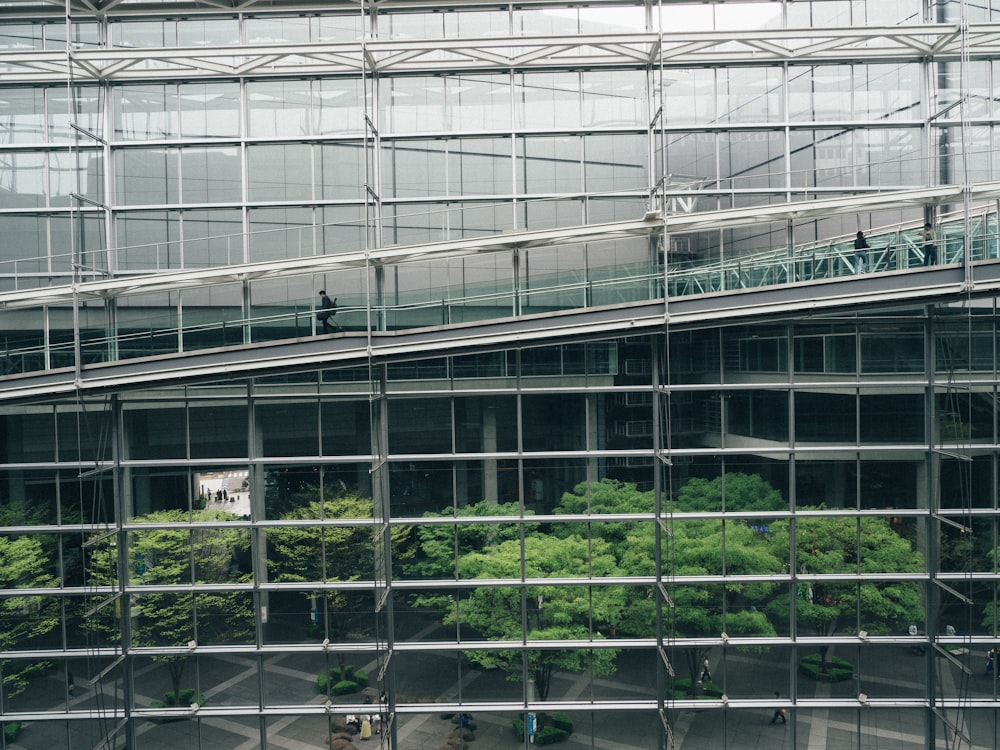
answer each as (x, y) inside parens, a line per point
(990, 657)
(929, 239)
(779, 713)
(706, 673)
(366, 727)
(328, 310)
(861, 247)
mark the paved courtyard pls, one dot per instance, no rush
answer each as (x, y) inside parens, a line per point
(235, 681)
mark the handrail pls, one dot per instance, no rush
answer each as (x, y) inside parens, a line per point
(893, 248)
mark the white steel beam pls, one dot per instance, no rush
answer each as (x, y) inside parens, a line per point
(941, 42)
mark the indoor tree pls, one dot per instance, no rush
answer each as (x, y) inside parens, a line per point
(180, 548)
(24, 619)
(330, 550)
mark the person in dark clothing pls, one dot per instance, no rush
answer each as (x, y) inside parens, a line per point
(860, 255)
(779, 713)
(929, 240)
(328, 310)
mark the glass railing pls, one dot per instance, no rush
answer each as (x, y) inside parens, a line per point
(891, 249)
(143, 335)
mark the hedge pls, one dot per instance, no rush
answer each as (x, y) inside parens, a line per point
(548, 735)
(342, 681)
(556, 728)
(11, 729)
(682, 690)
(185, 699)
(838, 670)
(563, 722)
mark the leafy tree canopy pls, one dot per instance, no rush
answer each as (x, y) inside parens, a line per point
(837, 544)
(322, 552)
(743, 492)
(24, 564)
(181, 551)
(437, 544)
(556, 612)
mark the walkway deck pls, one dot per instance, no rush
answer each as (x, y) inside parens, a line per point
(827, 297)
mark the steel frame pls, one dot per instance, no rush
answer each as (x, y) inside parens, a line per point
(915, 43)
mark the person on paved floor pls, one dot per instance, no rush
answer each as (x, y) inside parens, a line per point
(706, 673)
(779, 713)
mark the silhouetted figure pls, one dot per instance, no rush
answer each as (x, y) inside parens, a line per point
(325, 315)
(860, 255)
(779, 713)
(929, 239)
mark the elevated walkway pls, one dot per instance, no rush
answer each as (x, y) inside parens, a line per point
(827, 297)
(604, 298)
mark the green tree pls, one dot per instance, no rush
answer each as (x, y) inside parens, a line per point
(846, 545)
(556, 612)
(24, 619)
(174, 552)
(631, 543)
(439, 545)
(705, 547)
(330, 553)
(694, 547)
(741, 492)
(492, 549)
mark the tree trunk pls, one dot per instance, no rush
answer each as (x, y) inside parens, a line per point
(824, 665)
(176, 668)
(543, 678)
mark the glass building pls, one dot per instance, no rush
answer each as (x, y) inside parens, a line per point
(612, 447)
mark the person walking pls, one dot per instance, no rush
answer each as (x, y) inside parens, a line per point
(366, 727)
(779, 713)
(861, 247)
(706, 673)
(328, 308)
(929, 238)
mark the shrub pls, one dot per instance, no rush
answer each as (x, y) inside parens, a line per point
(344, 687)
(11, 729)
(342, 681)
(838, 670)
(548, 735)
(519, 728)
(562, 721)
(555, 728)
(184, 698)
(682, 690)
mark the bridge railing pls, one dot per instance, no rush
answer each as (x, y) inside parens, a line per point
(158, 333)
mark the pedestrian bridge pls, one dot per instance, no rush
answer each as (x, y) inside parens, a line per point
(99, 333)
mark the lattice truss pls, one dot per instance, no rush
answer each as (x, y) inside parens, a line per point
(942, 42)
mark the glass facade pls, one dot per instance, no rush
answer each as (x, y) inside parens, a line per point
(655, 539)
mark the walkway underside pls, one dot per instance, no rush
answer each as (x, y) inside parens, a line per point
(833, 297)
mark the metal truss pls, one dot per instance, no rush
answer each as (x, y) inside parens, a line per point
(651, 224)
(125, 285)
(938, 42)
(829, 297)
